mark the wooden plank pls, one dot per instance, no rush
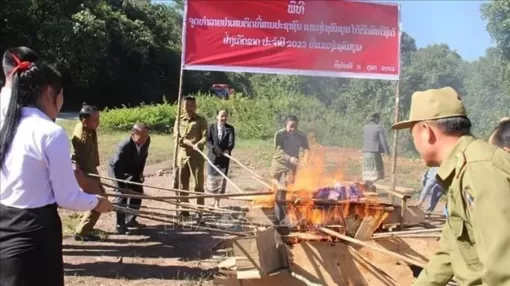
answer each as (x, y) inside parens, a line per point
(399, 192)
(420, 249)
(283, 278)
(366, 229)
(259, 254)
(334, 264)
(413, 215)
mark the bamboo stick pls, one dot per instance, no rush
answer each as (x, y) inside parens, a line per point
(397, 233)
(147, 216)
(364, 244)
(256, 176)
(139, 196)
(417, 235)
(188, 205)
(154, 208)
(219, 171)
(140, 184)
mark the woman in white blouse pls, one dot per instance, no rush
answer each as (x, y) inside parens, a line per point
(36, 178)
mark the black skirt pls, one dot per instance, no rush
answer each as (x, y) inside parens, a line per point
(31, 247)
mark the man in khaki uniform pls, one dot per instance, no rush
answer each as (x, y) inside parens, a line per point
(288, 143)
(192, 136)
(475, 240)
(86, 157)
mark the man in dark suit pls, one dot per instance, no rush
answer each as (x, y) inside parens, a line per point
(220, 140)
(128, 163)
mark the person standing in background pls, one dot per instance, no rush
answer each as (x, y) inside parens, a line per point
(220, 140)
(22, 54)
(430, 188)
(374, 145)
(192, 134)
(502, 120)
(128, 163)
(86, 157)
(36, 178)
(501, 136)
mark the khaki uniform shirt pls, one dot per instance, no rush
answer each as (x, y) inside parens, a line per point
(85, 149)
(194, 129)
(475, 240)
(287, 145)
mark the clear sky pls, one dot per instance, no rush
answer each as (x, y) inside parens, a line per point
(456, 23)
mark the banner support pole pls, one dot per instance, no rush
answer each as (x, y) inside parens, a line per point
(395, 141)
(177, 117)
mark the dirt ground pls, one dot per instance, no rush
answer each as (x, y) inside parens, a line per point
(164, 255)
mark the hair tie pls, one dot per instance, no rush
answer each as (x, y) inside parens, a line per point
(20, 66)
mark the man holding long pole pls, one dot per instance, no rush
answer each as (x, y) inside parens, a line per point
(191, 131)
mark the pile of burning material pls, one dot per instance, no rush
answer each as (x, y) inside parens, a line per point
(345, 207)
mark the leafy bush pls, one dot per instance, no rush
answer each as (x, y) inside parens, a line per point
(254, 118)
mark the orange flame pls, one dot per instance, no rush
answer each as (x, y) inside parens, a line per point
(303, 210)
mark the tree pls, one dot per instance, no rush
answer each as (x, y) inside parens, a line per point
(497, 15)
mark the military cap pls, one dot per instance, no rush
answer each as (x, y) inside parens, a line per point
(433, 104)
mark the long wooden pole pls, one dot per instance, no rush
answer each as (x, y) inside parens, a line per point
(367, 245)
(395, 141)
(148, 215)
(219, 171)
(139, 196)
(416, 231)
(198, 209)
(140, 184)
(256, 176)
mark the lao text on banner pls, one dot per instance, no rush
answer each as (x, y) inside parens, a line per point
(318, 38)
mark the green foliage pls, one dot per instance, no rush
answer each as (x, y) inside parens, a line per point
(123, 52)
(256, 118)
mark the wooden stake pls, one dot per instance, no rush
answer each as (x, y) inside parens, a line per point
(364, 244)
(219, 171)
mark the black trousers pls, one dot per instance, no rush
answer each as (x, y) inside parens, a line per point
(135, 204)
(31, 247)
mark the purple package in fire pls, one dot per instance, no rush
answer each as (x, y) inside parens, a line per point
(339, 192)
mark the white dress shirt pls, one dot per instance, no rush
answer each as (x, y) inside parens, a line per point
(221, 129)
(138, 148)
(37, 170)
(5, 97)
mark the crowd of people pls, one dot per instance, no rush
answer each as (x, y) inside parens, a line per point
(39, 174)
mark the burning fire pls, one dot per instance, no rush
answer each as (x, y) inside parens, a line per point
(318, 198)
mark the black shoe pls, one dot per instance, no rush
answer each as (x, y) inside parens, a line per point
(86, 237)
(184, 214)
(134, 223)
(122, 230)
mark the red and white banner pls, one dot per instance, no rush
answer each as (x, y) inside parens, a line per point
(319, 38)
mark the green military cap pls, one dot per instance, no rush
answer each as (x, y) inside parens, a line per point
(433, 104)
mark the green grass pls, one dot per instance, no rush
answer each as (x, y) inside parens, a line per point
(161, 148)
